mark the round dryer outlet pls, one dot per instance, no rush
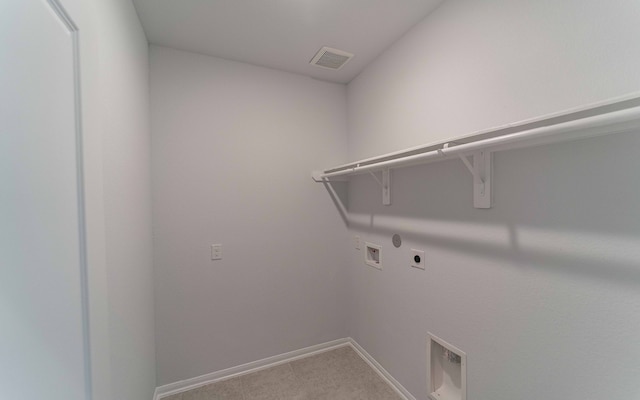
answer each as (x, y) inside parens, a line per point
(417, 259)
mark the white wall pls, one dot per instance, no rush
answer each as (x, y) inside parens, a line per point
(541, 291)
(232, 148)
(473, 65)
(115, 91)
(124, 69)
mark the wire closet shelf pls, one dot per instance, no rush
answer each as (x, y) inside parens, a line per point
(621, 115)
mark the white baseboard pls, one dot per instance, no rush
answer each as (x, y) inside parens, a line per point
(402, 392)
(192, 383)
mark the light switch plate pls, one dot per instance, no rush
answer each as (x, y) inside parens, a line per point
(216, 252)
(356, 242)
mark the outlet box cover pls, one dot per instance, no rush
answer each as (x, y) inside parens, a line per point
(446, 370)
(372, 255)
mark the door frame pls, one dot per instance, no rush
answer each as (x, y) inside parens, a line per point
(74, 34)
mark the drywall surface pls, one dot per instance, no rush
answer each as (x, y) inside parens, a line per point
(474, 65)
(113, 57)
(124, 113)
(233, 146)
(542, 291)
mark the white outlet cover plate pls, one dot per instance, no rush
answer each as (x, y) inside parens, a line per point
(419, 253)
(216, 252)
(356, 242)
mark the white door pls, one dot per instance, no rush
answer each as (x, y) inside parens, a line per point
(42, 318)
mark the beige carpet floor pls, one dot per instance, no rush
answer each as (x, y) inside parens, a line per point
(338, 374)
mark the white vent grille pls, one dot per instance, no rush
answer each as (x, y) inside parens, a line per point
(330, 58)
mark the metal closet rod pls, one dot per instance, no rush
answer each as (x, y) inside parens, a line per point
(603, 119)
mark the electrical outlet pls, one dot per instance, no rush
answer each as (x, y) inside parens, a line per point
(216, 252)
(356, 242)
(417, 259)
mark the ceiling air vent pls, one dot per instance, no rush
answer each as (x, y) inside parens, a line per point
(330, 58)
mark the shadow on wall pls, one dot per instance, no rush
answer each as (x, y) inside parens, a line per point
(572, 208)
(338, 191)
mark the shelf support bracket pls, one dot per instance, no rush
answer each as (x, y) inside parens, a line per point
(481, 169)
(373, 175)
(385, 185)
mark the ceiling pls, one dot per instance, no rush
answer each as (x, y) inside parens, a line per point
(283, 34)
